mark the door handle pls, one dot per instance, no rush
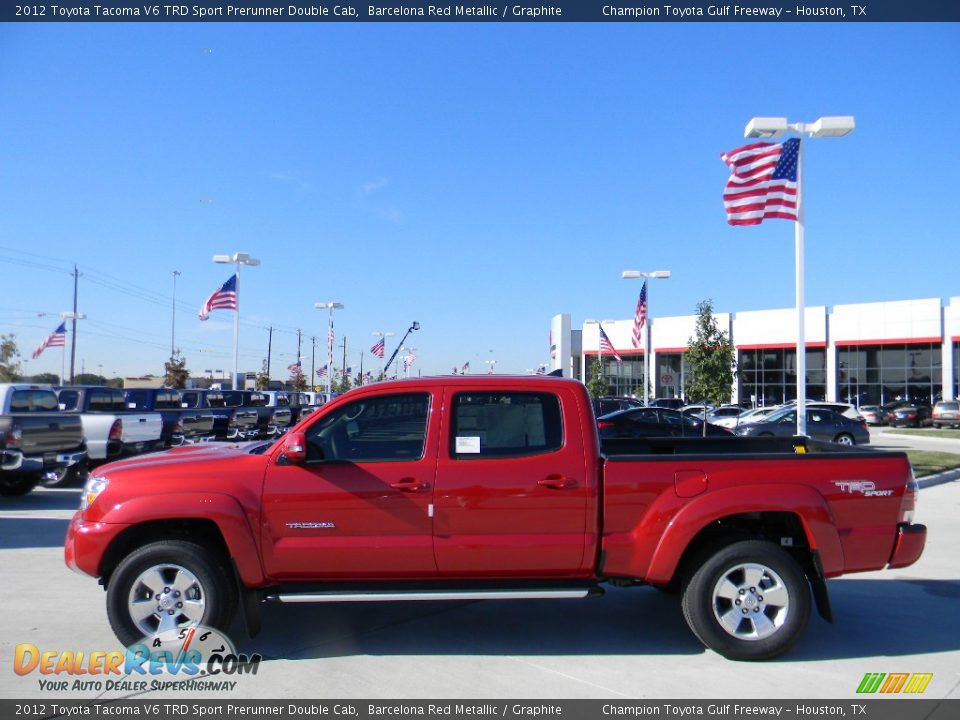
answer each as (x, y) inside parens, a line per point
(410, 485)
(557, 482)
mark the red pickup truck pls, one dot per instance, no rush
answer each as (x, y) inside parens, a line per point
(490, 487)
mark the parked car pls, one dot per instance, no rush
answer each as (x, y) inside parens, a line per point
(845, 409)
(482, 487)
(946, 412)
(724, 412)
(872, 414)
(654, 422)
(888, 409)
(608, 404)
(747, 416)
(699, 410)
(665, 402)
(36, 440)
(229, 423)
(822, 424)
(913, 415)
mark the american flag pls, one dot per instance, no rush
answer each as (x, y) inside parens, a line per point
(763, 184)
(378, 348)
(466, 366)
(57, 338)
(348, 372)
(223, 298)
(409, 360)
(295, 368)
(322, 372)
(606, 345)
(640, 318)
(541, 370)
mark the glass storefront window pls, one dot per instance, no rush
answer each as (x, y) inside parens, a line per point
(768, 376)
(880, 374)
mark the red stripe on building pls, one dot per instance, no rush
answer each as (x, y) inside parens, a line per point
(780, 346)
(895, 341)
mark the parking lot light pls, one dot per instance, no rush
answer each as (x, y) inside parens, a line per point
(330, 306)
(650, 388)
(237, 259)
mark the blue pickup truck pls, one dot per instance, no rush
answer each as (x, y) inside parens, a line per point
(181, 425)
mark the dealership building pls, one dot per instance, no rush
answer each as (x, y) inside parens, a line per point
(865, 354)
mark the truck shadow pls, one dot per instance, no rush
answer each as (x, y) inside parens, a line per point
(38, 519)
(872, 618)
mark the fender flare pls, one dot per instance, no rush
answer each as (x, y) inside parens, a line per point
(804, 502)
(223, 510)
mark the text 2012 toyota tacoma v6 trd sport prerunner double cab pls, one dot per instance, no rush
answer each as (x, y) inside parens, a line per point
(490, 487)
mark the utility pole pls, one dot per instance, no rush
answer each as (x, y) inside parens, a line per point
(269, 348)
(343, 368)
(313, 358)
(73, 324)
(299, 334)
(173, 322)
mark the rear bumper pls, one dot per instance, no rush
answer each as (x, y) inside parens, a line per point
(909, 545)
(16, 461)
(87, 542)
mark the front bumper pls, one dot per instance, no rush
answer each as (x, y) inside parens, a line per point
(909, 545)
(87, 542)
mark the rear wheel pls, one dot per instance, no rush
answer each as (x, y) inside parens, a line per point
(16, 484)
(747, 601)
(165, 586)
(844, 439)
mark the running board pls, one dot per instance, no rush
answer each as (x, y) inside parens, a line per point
(521, 594)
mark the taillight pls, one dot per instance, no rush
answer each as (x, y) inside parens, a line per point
(909, 503)
(604, 424)
(116, 432)
(14, 436)
(177, 429)
(232, 422)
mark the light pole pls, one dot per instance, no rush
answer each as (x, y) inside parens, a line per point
(73, 347)
(237, 259)
(492, 364)
(772, 128)
(331, 306)
(643, 317)
(384, 335)
(173, 320)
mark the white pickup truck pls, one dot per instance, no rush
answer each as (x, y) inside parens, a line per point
(110, 428)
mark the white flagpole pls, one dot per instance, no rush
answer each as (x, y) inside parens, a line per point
(801, 339)
(237, 385)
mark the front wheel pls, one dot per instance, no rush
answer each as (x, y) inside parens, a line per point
(16, 484)
(844, 439)
(165, 586)
(747, 601)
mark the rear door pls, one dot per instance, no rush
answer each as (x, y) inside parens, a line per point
(512, 486)
(360, 507)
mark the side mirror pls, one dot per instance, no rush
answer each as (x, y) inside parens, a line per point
(295, 448)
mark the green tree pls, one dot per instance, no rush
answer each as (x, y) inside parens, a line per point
(9, 359)
(297, 380)
(597, 386)
(46, 379)
(263, 377)
(712, 359)
(176, 371)
(89, 379)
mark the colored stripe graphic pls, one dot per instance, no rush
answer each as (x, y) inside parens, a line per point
(894, 682)
(870, 682)
(918, 682)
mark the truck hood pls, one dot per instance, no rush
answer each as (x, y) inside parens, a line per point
(212, 452)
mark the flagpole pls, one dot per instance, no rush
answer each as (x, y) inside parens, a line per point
(236, 335)
(801, 337)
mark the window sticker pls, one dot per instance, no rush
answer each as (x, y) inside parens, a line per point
(468, 444)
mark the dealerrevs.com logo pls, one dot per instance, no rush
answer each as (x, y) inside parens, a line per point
(889, 683)
(197, 658)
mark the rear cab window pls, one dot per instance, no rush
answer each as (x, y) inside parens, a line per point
(33, 400)
(505, 424)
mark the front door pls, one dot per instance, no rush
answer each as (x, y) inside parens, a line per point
(360, 505)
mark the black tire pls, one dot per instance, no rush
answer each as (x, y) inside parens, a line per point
(17, 484)
(723, 574)
(213, 588)
(845, 439)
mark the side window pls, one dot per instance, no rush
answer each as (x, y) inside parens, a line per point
(489, 425)
(139, 398)
(69, 399)
(376, 429)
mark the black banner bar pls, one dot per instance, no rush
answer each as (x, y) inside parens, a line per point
(622, 11)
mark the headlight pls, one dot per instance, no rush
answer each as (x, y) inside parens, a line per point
(95, 485)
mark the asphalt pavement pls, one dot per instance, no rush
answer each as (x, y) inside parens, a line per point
(631, 643)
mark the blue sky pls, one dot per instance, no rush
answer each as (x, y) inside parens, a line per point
(478, 178)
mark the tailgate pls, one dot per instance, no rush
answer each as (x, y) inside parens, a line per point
(141, 427)
(194, 423)
(49, 433)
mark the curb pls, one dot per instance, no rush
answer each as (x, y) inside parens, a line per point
(939, 479)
